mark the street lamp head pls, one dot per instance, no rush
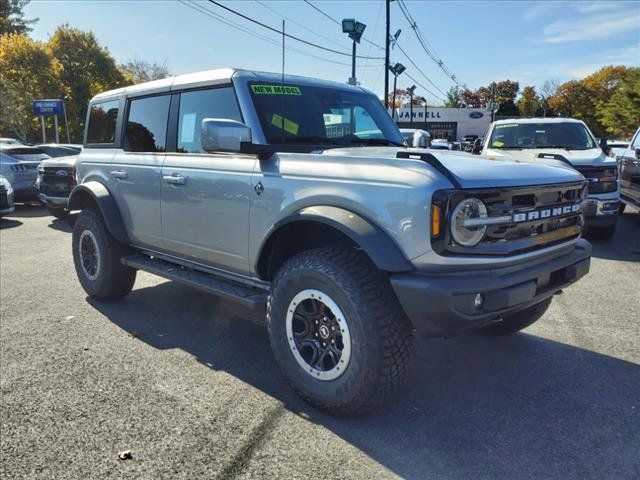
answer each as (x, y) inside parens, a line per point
(397, 69)
(348, 25)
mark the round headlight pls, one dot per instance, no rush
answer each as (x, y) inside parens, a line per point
(463, 230)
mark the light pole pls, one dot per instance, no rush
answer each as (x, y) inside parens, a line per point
(396, 69)
(355, 31)
(424, 100)
(411, 89)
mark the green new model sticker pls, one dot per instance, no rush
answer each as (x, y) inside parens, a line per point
(275, 90)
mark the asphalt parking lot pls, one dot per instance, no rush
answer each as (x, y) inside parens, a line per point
(188, 383)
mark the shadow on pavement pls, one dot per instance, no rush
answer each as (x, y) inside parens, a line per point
(625, 243)
(29, 210)
(474, 407)
(6, 223)
(61, 224)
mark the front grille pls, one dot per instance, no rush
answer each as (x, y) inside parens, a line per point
(54, 184)
(601, 179)
(545, 217)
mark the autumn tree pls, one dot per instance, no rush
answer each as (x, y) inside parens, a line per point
(27, 72)
(529, 103)
(548, 90)
(139, 70)
(86, 68)
(620, 114)
(12, 17)
(452, 99)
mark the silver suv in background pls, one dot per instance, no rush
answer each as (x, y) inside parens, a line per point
(299, 197)
(563, 142)
(629, 163)
(19, 165)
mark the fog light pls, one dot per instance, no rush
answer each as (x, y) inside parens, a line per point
(478, 301)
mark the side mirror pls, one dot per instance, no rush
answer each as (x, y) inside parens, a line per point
(223, 135)
(420, 140)
(638, 153)
(477, 147)
(604, 145)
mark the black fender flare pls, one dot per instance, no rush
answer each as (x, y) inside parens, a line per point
(106, 204)
(377, 244)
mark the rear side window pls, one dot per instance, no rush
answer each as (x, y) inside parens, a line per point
(146, 129)
(102, 123)
(197, 105)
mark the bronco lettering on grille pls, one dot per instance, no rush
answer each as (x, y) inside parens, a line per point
(545, 213)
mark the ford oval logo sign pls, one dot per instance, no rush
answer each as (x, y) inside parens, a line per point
(476, 114)
(61, 173)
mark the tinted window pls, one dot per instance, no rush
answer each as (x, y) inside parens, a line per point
(147, 124)
(197, 105)
(318, 115)
(570, 135)
(636, 141)
(102, 122)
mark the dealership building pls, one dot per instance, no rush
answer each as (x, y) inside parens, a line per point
(441, 122)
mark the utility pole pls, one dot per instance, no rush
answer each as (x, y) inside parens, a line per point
(386, 57)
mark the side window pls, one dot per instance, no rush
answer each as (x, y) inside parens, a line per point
(146, 129)
(636, 140)
(197, 105)
(102, 123)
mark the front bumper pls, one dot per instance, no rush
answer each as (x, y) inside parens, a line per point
(55, 202)
(442, 305)
(601, 211)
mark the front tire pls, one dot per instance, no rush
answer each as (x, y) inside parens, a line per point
(602, 233)
(337, 330)
(60, 213)
(96, 255)
(517, 321)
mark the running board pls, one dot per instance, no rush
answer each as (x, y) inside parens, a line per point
(250, 297)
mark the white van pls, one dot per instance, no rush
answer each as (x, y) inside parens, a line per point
(563, 142)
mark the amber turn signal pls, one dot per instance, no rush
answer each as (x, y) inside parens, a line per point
(435, 220)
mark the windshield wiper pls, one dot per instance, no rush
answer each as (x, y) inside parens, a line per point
(375, 141)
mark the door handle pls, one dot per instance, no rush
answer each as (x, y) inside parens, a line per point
(119, 174)
(175, 179)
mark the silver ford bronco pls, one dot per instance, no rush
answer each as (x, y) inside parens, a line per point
(300, 197)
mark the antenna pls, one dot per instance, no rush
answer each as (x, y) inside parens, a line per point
(282, 85)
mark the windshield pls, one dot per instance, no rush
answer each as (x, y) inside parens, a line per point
(569, 136)
(322, 116)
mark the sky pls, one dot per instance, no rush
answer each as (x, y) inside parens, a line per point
(479, 42)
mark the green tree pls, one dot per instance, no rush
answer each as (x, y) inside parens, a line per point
(529, 103)
(504, 93)
(452, 99)
(27, 72)
(620, 115)
(140, 71)
(86, 68)
(12, 17)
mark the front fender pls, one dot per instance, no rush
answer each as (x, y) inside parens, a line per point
(382, 250)
(95, 193)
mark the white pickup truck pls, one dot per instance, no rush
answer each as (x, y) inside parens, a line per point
(563, 142)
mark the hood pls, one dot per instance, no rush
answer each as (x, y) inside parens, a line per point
(473, 171)
(577, 158)
(69, 161)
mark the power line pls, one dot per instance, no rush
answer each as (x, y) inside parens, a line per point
(437, 97)
(201, 9)
(306, 27)
(298, 39)
(426, 46)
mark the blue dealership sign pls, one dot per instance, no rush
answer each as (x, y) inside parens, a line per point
(48, 107)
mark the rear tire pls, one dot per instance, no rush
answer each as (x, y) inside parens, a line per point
(621, 208)
(96, 255)
(342, 289)
(60, 213)
(517, 321)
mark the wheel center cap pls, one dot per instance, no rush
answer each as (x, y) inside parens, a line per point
(324, 332)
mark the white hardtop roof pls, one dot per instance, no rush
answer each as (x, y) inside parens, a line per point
(215, 77)
(539, 120)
